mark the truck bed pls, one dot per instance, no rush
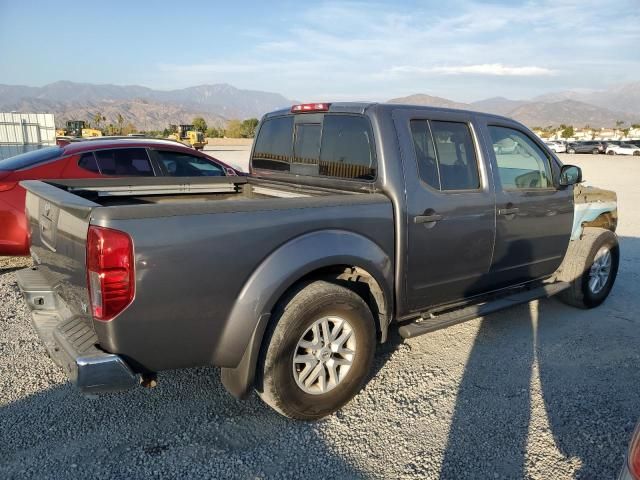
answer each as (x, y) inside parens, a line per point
(197, 241)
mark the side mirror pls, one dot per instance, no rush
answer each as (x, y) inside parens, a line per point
(570, 175)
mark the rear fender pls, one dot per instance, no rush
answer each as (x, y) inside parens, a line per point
(278, 272)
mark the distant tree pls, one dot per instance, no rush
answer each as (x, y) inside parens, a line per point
(567, 131)
(98, 118)
(199, 124)
(619, 123)
(120, 122)
(233, 129)
(249, 127)
(128, 128)
(626, 131)
(166, 132)
(215, 132)
(635, 125)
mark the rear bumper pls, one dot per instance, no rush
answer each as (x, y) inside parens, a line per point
(70, 342)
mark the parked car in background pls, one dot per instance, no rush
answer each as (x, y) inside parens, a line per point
(611, 143)
(623, 149)
(556, 147)
(589, 146)
(89, 159)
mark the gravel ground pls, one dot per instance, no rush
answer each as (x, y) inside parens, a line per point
(539, 391)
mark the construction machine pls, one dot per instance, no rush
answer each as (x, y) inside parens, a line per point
(78, 129)
(188, 135)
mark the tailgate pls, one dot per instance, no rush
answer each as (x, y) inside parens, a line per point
(58, 222)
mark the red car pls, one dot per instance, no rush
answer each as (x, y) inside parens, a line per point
(123, 157)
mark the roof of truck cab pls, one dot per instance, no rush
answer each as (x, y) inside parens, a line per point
(361, 107)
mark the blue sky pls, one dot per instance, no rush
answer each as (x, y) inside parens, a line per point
(460, 49)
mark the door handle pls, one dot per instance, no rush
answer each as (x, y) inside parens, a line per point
(508, 211)
(427, 218)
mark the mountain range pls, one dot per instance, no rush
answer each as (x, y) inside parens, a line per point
(146, 108)
(150, 109)
(595, 108)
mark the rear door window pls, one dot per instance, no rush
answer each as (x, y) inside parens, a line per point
(179, 164)
(126, 162)
(88, 162)
(445, 154)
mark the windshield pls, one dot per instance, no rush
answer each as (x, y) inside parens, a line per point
(30, 159)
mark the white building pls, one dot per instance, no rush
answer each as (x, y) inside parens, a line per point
(27, 129)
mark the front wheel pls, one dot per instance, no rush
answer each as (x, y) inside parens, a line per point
(591, 268)
(318, 351)
(571, 150)
(596, 151)
(636, 154)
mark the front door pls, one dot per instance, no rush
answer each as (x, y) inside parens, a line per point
(535, 214)
(450, 208)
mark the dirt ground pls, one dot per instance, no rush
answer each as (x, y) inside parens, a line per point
(540, 391)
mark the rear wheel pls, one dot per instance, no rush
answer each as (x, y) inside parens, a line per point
(571, 150)
(611, 152)
(636, 154)
(591, 268)
(318, 351)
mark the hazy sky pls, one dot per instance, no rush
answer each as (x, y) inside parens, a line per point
(461, 49)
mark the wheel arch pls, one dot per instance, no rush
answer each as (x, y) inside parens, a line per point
(347, 258)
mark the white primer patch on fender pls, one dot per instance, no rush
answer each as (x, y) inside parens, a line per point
(587, 212)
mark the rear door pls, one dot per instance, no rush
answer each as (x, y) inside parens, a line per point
(180, 164)
(450, 207)
(119, 162)
(534, 214)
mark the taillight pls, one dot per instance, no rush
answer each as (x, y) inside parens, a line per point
(310, 107)
(110, 271)
(634, 455)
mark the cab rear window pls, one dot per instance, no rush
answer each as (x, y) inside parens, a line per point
(329, 145)
(30, 159)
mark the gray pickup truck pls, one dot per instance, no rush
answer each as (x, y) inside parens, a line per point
(356, 218)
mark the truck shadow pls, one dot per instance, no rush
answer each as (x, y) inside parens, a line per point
(188, 426)
(575, 370)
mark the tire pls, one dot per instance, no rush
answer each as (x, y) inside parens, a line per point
(636, 154)
(595, 151)
(282, 382)
(579, 270)
(611, 152)
(571, 151)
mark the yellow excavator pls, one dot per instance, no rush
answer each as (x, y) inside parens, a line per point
(188, 135)
(78, 129)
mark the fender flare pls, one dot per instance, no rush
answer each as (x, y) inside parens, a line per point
(285, 266)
